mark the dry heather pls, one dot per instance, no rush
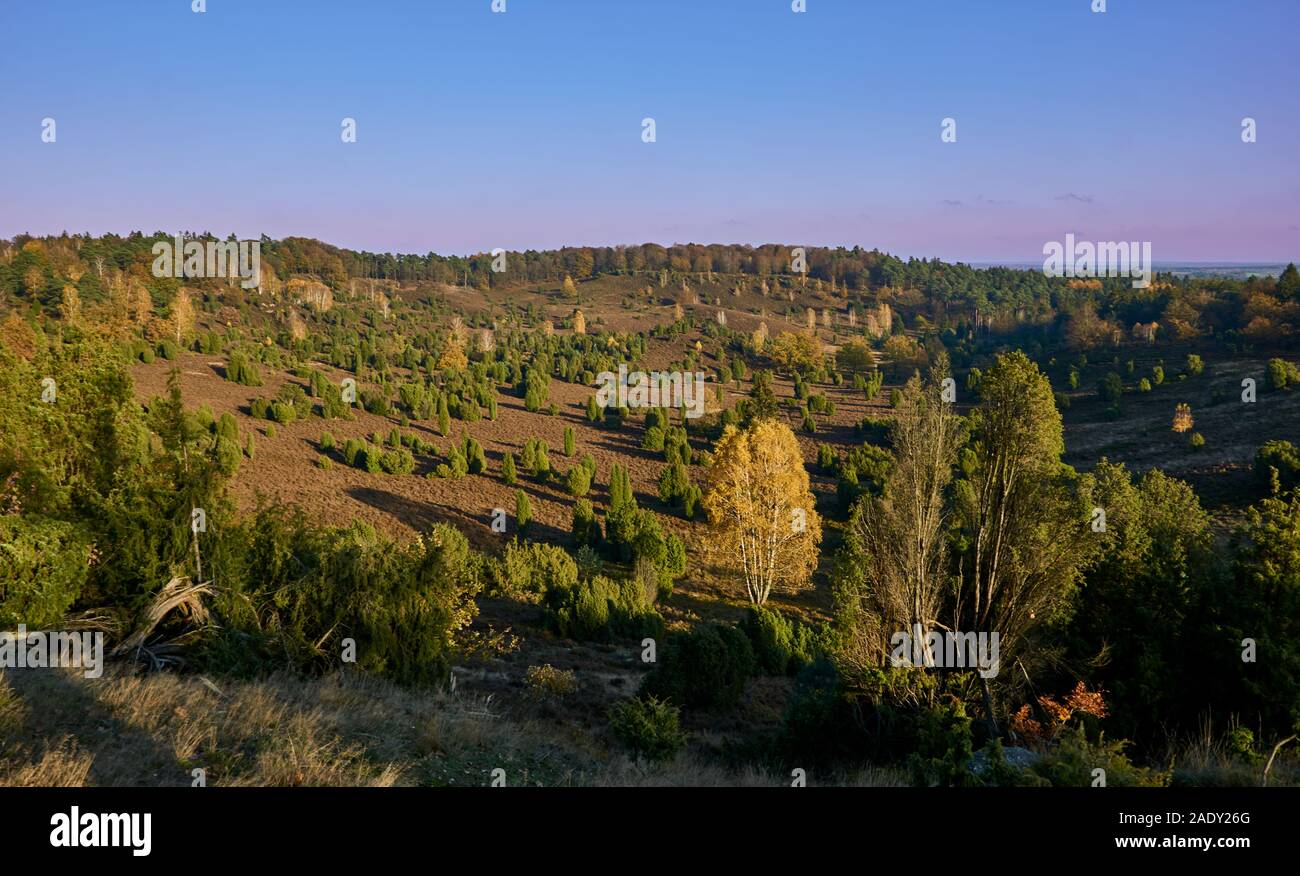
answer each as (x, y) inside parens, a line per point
(60, 729)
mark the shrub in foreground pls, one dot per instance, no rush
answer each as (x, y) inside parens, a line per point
(649, 727)
(705, 668)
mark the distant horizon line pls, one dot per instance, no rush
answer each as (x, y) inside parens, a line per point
(978, 262)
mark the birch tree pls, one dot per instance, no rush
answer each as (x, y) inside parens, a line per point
(760, 509)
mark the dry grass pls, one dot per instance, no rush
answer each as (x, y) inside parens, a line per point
(1206, 762)
(59, 729)
(130, 728)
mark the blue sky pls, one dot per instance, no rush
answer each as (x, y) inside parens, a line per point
(523, 129)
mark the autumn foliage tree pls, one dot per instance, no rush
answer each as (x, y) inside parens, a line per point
(760, 509)
(453, 355)
(182, 315)
(795, 351)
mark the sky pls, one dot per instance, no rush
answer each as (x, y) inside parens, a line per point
(523, 129)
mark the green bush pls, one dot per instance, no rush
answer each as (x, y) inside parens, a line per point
(944, 748)
(1111, 389)
(620, 488)
(528, 570)
(874, 430)
(369, 458)
(43, 568)
(673, 483)
(352, 449)
(585, 528)
(398, 462)
(822, 725)
(210, 343)
(283, 412)
(457, 466)
(401, 604)
(1071, 762)
(475, 460)
(600, 608)
(332, 404)
(523, 511)
(240, 370)
(577, 482)
(648, 727)
(783, 646)
(874, 383)
(227, 427)
(772, 637)
(1279, 374)
(705, 668)
(376, 403)
(228, 455)
(692, 501)
(535, 458)
(653, 439)
(1280, 457)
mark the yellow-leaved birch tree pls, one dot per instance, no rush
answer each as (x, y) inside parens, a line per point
(760, 509)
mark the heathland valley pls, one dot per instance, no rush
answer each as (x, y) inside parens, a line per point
(644, 515)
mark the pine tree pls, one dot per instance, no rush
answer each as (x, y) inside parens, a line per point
(1288, 284)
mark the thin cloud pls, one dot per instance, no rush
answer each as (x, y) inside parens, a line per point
(980, 200)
